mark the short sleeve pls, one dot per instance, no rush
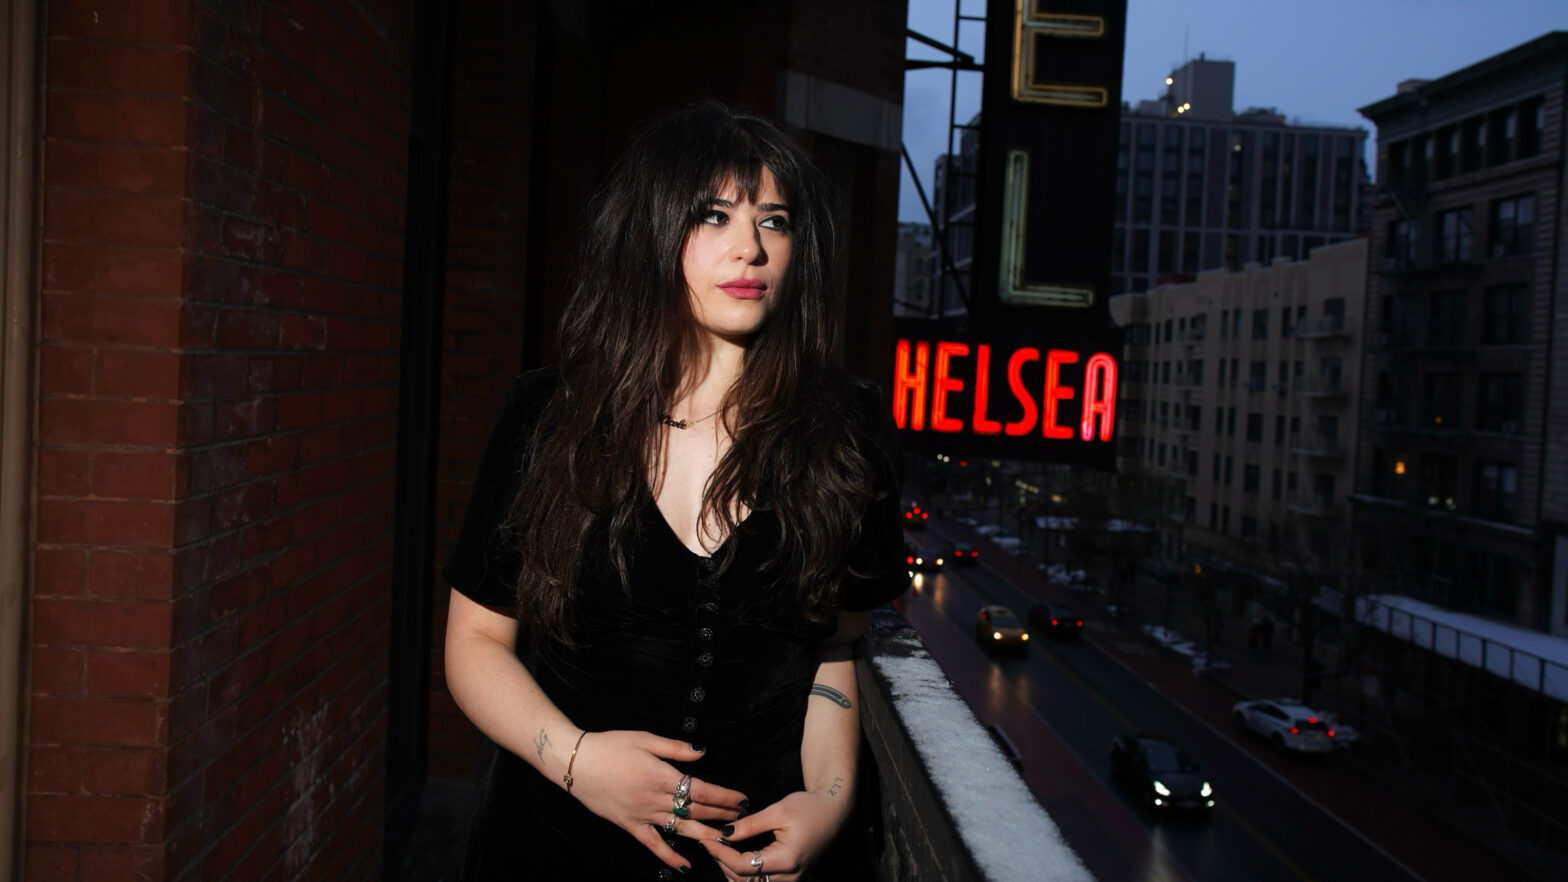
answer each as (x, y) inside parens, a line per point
(484, 562)
(878, 571)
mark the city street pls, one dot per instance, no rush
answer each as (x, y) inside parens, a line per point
(1062, 702)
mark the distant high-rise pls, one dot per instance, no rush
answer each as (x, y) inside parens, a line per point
(1199, 186)
(1462, 494)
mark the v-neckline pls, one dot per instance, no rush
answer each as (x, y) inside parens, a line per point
(669, 530)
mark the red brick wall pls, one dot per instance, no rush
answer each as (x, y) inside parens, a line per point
(223, 211)
(482, 332)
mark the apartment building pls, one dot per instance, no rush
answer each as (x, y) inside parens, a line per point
(1242, 387)
(1462, 498)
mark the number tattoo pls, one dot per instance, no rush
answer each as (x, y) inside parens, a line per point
(831, 694)
(540, 743)
(836, 787)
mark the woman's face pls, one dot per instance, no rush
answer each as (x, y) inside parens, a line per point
(735, 258)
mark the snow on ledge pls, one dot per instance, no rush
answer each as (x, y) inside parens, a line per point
(1006, 831)
(1531, 659)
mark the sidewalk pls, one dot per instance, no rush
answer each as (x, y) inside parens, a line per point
(1386, 806)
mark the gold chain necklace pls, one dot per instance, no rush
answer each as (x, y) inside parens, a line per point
(667, 420)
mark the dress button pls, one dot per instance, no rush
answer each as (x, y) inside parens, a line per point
(705, 659)
(689, 725)
(705, 633)
(709, 607)
(665, 875)
(698, 694)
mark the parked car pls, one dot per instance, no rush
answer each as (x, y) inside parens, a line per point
(924, 559)
(1008, 543)
(1055, 621)
(1286, 724)
(1159, 773)
(996, 629)
(963, 552)
(988, 529)
(915, 517)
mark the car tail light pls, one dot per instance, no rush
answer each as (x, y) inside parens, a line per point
(1079, 623)
(910, 559)
(1312, 719)
(1294, 731)
(1053, 623)
(1331, 733)
(923, 516)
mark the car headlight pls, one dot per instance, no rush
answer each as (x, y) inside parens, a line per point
(939, 561)
(996, 635)
(1207, 791)
(1025, 636)
(919, 562)
(1161, 789)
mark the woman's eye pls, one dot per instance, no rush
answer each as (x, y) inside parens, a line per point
(775, 222)
(715, 217)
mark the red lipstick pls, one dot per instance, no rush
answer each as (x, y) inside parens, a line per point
(744, 289)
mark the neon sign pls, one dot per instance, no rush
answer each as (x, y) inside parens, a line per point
(1054, 394)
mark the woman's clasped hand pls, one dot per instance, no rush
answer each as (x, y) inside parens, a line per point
(627, 779)
(802, 824)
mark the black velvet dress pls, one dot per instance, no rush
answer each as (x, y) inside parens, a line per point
(724, 662)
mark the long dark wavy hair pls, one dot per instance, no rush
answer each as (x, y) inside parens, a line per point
(627, 339)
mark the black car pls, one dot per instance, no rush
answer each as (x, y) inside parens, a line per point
(963, 552)
(1159, 773)
(1055, 621)
(916, 517)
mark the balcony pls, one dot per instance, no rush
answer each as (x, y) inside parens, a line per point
(1323, 386)
(1312, 505)
(1313, 444)
(1322, 328)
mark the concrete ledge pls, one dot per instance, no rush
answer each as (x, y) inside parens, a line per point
(953, 806)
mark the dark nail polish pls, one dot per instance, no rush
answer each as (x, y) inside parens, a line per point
(700, 748)
(727, 830)
(685, 870)
(744, 804)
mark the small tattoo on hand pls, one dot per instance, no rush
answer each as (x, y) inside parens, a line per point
(836, 787)
(540, 743)
(831, 694)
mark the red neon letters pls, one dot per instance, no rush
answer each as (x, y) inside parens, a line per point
(913, 380)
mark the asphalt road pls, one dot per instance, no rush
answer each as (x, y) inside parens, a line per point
(1061, 703)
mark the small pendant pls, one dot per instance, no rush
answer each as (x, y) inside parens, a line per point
(673, 423)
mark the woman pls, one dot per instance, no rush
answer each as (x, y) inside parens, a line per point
(685, 522)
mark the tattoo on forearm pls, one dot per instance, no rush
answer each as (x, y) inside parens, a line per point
(831, 694)
(540, 743)
(836, 787)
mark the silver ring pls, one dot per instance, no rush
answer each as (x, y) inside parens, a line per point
(756, 861)
(669, 826)
(763, 878)
(682, 793)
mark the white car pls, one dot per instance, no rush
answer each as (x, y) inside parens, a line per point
(1286, 724)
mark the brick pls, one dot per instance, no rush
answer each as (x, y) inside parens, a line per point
(49, 863)
(65, 370)
(132, 863)
(138, 373)
(247, 329)
(125, 220)
(101, 522)
(98, 318)
(136, 475)
(58, 671)
(54, 770)
(271, 455)
(94, 818)
(132, 575)
(128, 674)
(63, 472)
(102, 623)
(97, 721)
(136, 272)
(164, 21)
(123, 771)
(217, 467)
(97, 421)
(115, 168)
(59, 572)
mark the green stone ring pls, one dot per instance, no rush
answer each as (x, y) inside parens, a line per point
(681, 811)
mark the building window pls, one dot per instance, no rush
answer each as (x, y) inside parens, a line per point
(1442, 400)
(1501, 405)
(1216, 470)
(1230, 424)
(1496, 491)
(1260, 324)
(1507, 317)
(1230, 470)
(1439, 480)
(1279, 430)
(1404, 241)
(1446, 322)
(1454, 235)
(1513, 225)
(1257, 375)
(1249, 528)
(1276, 485)
(1249, 479)
(1255, 428)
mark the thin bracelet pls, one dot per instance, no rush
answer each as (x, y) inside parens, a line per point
(567, 778)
